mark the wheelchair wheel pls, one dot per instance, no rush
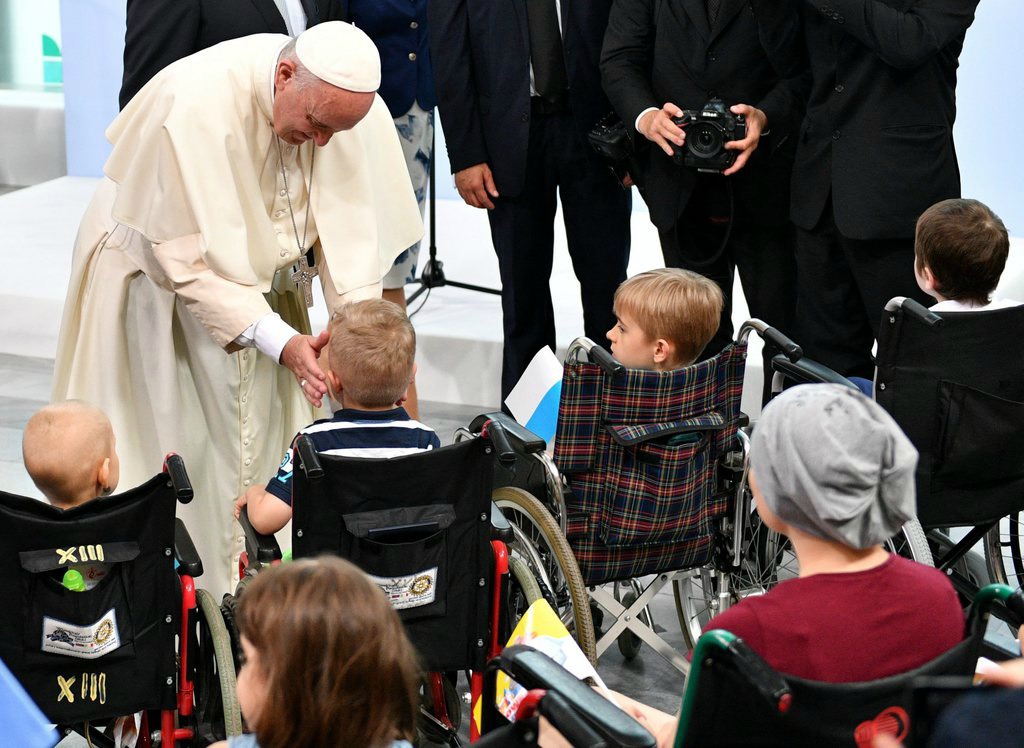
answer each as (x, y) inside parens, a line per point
(767, 559)
(1004, 550)
(539, 544)
(524, 589)
(217, 713)
(911, 542)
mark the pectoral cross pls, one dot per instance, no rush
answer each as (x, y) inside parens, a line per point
(303, 278)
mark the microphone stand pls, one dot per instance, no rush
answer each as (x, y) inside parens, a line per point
(433, 275)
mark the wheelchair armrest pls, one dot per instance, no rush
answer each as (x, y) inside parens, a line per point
(308, 458)
(520, 436)
(501, 528)
(532, 669)
(264, 547)
(185, 552)
(806, 370)
(567, 719)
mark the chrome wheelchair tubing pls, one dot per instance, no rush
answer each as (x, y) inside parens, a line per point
(741, 509)
(555, 494)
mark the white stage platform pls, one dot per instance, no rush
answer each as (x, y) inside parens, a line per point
(459, 331)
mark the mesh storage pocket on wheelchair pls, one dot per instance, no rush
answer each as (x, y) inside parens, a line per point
(405, 552)
(660, 482)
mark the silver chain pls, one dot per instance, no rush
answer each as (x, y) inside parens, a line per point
(309, 194)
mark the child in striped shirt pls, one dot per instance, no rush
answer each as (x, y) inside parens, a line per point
(370, 367)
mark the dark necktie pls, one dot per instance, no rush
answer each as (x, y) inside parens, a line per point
(713, 7)
(549, 76)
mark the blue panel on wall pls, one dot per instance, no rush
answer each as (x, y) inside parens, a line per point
(92, 33)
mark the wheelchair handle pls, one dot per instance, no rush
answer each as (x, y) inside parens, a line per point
(605, 360)
(779, 340)
(494, 431)
(914, 309)
(307, 455)
(595, 354)
(1015, 604)
(174, 466)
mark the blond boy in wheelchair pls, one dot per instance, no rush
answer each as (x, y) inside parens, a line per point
(664, 319)
(370, 368)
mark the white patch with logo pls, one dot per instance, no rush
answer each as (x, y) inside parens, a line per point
(410, 591)
(86, 642)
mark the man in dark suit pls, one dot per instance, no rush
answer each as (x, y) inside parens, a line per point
(516, 127)
(875, 150)
(661, 57)
(158, 32)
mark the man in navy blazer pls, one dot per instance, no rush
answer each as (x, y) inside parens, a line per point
(512, 150)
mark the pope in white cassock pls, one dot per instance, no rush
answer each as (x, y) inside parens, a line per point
(182, 319)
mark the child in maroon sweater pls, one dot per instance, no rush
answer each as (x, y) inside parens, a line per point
(832, 471)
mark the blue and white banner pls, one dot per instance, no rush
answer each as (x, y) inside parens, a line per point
(534, 399)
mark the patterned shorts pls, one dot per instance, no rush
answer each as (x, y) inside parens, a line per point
(415, 129)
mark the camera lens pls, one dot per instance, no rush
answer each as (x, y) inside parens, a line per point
(704, 140)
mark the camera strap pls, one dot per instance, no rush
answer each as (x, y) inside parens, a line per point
(720, 250)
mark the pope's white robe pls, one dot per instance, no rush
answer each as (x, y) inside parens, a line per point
(179, 253)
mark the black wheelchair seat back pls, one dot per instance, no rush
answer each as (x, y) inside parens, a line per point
(420, 526)
(736, 710)
(957, 390)
(107, 650)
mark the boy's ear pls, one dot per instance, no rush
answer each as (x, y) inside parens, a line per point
(928, 279)
(334, 387)
(405, 395)
(103, 478)
(664, 351)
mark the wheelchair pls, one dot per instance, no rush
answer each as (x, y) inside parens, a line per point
(143, 639)
(954, 382)
(729, 679)
(648, 477)
(733, 697)
(422, 526)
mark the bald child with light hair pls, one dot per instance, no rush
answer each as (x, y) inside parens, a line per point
(69, 452)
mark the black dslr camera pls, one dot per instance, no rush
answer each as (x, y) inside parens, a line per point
(708, 129)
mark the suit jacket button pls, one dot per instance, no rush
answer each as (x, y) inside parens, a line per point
(839, 18)
(839, 88)
(412, 56)
(526, 117)
(835, 135)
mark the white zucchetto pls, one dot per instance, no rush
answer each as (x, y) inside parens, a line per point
(340, 54)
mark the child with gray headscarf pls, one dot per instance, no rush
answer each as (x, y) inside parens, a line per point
(831, 470)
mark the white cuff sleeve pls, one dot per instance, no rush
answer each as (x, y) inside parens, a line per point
(636, 124)
(268, 334)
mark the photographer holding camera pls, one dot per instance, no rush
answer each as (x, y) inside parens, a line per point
(715, 174)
